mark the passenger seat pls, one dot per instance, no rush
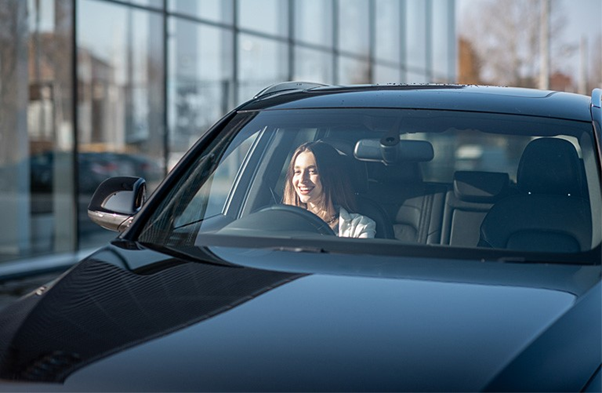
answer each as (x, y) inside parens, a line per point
(473, 194)
(549, 214)
(414, 206)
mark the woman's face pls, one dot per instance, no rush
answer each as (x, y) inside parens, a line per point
(306, 179)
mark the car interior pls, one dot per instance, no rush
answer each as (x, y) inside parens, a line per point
(459, 187)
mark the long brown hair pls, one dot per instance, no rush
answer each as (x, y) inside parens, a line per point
(334, 176)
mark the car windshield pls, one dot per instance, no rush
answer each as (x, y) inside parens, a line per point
(395, 181)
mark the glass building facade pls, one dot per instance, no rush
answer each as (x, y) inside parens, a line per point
(96, 88)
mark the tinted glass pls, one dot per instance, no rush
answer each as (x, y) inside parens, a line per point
(417, 43)
(36, 122)
(354, 27)
(441, 183)
(121, 105)
(443, 41)
(266, 16)
(389, 37)
(353, 71)
(262, 62)
(200, 82)
(313, 65)
(220, 11)
(314, 21)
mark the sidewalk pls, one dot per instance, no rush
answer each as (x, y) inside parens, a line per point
(18, 278)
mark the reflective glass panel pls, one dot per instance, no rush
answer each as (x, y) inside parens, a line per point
(389, 38)
(121, 115)
(146, 3)
(444, 41)
(266, 16)
(313, 21)
(213, 10)
(200, 82)
(354, 27)
(386, 74)
(353, 71)
(417, 44)
(262, 62)
(313, 65)
(36, 126)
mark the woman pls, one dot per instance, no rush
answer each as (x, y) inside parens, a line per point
(317, 181)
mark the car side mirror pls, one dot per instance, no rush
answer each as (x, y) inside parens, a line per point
(116, 201)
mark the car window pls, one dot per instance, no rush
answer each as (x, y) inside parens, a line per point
(425, 178)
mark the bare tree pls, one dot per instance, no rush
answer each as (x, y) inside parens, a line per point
(506, 36)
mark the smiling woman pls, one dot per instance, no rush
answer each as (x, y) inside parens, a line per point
(318, 181)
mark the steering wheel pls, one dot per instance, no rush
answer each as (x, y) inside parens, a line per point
(280, 219)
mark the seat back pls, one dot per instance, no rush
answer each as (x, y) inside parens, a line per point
(415, 206)
(359, 178)
(473, 194)
(549, 213)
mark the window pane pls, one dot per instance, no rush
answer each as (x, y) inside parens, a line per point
(313, 65)
(36, 122)
(385, 74)
(121, 100)
(200, 82)
(444, 41)
(388, 40)
(214, 10)
(353, 71)
(313, 21)
(263, 62)
(354, 28)
(416, 42)
(147, 3)
(266, 16)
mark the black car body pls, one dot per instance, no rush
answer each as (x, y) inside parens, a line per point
(484, 274)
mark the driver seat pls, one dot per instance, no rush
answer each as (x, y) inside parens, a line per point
(550, 212)
(359, 180)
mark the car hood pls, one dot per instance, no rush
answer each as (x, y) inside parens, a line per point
(191, 326)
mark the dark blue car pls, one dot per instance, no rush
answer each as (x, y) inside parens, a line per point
(342, 238)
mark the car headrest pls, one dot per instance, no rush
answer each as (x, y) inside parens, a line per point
(483, 187)
(359, 173)
(550, 166)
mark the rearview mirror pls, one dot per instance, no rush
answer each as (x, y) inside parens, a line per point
(116, 201)
(390, 153)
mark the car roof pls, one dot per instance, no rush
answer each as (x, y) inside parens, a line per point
(492, 99)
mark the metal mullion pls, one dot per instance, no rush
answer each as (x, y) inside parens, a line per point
(166, 139)
(291, 44)
(371, 39)
(134, 5)
(428, 27)
(235, 59)
(75, 118)
(335, 41)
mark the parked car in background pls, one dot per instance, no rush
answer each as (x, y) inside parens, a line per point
(93, 169)
(484, 272)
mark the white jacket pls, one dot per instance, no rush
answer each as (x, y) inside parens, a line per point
(355, 225)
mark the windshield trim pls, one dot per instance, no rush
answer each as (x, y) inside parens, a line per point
(395, 248)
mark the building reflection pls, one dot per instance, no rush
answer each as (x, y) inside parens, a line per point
(93, 88)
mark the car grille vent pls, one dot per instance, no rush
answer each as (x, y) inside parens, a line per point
(50, 365)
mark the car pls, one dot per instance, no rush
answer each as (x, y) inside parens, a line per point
(471, 260)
